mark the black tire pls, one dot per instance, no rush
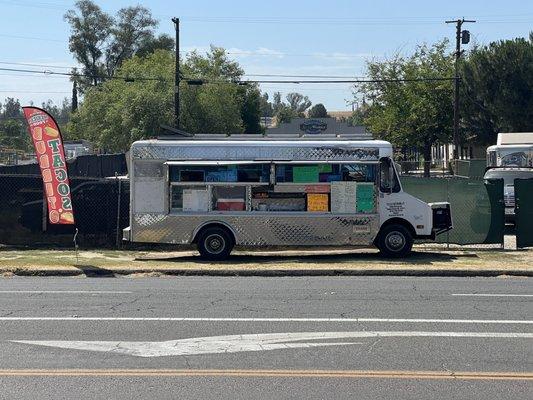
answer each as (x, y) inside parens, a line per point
(215, 243)
(395, 241)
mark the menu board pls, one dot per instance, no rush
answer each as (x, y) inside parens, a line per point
(365, 197)
(195, 200)
(318, 202)
(343, 197)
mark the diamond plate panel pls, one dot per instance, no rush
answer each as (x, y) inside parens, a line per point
(255, 152)
(261, 229)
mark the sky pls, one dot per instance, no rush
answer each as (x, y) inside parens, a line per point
(290, 37)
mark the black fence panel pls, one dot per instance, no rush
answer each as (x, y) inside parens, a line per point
(101, 209)
(523, 191)
(92, 166)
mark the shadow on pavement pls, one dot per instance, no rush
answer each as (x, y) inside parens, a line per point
(242, 259)
(92, 271)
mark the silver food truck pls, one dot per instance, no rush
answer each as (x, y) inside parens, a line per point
(218, 191)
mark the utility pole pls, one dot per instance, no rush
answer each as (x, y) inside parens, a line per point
(177, 75)
(465, 35)
(74, 103)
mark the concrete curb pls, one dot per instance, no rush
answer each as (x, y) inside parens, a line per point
(90, 271)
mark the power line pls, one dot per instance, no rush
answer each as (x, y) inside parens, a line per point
(30, 91)
(31, 38)
(307, 76)
(246, 74)
(70, 74)
(37, 65)
(196, 81)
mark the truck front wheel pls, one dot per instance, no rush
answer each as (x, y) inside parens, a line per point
(395, 241)
(215, 243)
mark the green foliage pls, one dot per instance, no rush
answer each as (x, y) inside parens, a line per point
(295, 106)
(267, 110)
(358, 116)
(285, 114)
(497, 89)
(101, 42)
(251, 108)
(13, 131)
(116, 113)
(298, 103)
(413, 113)
(318, 111)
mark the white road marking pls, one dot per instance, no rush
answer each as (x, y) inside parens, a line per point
(65, 291)
(320, 320)
(251, 342)
(491, 295)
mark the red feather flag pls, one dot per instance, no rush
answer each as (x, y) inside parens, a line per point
(51, 157)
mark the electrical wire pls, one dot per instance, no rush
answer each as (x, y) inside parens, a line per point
(193, 81)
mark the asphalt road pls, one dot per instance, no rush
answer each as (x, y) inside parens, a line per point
(266, 338)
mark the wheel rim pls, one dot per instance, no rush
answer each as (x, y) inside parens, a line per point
(395, 241)
(215, 243)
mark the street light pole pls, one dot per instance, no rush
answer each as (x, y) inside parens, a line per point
(458, 34)
(177, 75)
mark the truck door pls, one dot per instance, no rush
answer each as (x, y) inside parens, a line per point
(395, 203)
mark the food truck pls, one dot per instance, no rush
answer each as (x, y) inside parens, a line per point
(512, 149)
(509, 159)
(218, 191)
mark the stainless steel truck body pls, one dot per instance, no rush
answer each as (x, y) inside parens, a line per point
(218, 192)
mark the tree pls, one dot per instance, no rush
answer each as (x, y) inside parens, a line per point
(285, 114)
(149, 45)
(358, 116)
(11, 108)
(133, 27)
(13, 132)
(116, 113)
(295, 106)
(497, 89)
(411, 113)
(318, 111)
(267, 110)
(251, 108)
(61, 113)
(298, 103)
(101, 43)
(90, 30)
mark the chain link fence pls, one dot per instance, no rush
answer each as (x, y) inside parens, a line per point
(473, 168)
(478, 212)
(101, 207)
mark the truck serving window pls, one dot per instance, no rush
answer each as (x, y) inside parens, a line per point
(323, 173)
(220, 173)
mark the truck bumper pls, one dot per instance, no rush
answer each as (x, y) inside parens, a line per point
(126, 234)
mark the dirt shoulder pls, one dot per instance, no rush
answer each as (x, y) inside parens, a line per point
(327, 262)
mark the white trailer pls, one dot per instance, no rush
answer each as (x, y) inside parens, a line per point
(509, 159)
(512, 149)
(249, 190)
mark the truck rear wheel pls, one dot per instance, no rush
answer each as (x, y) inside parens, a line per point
(215, 243)
(395, 241)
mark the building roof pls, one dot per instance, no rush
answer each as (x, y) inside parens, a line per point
(515, 138)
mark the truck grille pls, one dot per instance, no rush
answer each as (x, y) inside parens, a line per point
(508, 200)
